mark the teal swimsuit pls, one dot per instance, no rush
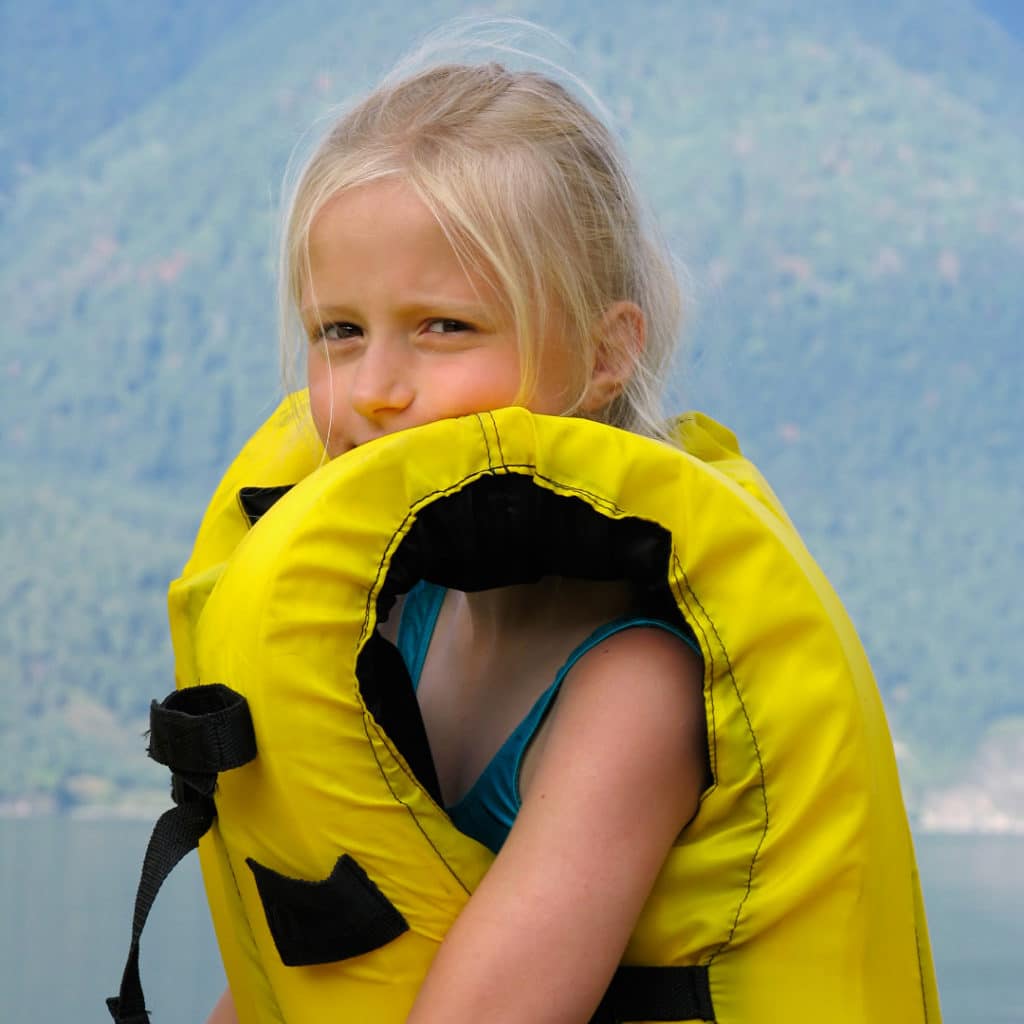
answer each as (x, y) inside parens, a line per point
(489, 808)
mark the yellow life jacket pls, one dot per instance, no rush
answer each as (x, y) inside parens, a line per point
(794, 888)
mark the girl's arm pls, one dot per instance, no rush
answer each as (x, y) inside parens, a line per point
(614, 777)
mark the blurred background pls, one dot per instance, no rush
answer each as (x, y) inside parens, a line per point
(844, 184)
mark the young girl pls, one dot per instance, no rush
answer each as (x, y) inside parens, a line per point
(464, 240)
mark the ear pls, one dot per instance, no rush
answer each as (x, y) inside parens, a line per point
(620, 341)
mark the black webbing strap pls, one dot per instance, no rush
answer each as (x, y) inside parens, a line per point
(196, 732)
(656, 993)
(176, 833)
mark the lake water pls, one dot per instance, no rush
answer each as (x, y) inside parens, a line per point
(66, 892)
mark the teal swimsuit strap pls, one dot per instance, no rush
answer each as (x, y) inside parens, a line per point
(488, 809)
(420, 610)
(491, 804)
(538, 712)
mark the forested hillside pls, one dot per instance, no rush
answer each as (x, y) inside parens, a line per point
(843, 182)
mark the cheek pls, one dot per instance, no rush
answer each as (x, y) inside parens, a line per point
(318, 380)
(557, 387)
(495, 388)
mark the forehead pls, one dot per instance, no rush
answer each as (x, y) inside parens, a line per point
(382, 235)
(356, 211)
(381, 218)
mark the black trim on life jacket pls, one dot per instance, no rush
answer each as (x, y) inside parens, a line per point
(256, 502)
(500, 531)
(389, 696)
(343, 916)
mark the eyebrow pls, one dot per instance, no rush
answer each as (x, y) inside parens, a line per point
(436, 306)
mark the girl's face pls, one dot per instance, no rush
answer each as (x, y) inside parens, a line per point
(401, 334)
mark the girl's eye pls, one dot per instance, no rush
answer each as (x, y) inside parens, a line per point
(339, 331)
(446, 327)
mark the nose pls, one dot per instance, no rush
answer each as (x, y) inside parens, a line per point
(382, 385)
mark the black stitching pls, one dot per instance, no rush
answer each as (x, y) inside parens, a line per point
(487, 442)
(596, 500)
(760, 765)
(411, 513)
(398, 799)
(694, 622)
(497, 438)
(920, 968)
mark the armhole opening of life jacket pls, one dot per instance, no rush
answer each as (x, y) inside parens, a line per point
(499, 531)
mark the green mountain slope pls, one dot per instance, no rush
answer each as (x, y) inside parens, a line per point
(845, 183)
(70, 70)
(84, 639)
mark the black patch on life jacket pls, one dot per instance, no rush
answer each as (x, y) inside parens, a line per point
(256, 502)
(344, 915)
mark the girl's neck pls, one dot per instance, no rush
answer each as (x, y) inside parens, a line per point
(485, 616)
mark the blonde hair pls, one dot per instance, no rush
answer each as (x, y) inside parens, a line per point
(533, 193)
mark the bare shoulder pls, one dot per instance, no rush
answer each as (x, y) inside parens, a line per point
(640, 680)
(641, 659)
(628, 724)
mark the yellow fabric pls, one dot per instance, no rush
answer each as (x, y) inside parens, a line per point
(795, 882)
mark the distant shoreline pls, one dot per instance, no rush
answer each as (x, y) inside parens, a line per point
(967, 810)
